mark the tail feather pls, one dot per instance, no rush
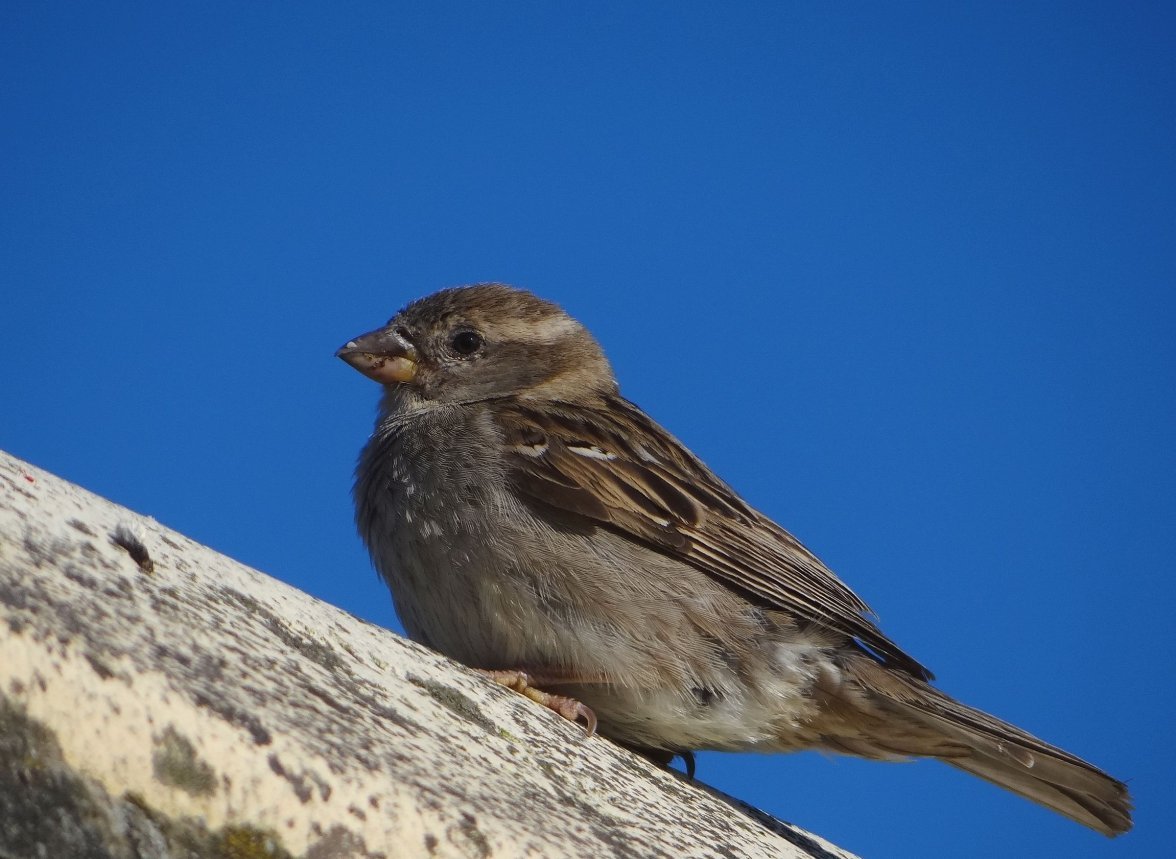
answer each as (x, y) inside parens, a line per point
(1020, 762)
(1108, 811)
(889, 714)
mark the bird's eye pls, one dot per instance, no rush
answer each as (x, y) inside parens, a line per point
(466, 342)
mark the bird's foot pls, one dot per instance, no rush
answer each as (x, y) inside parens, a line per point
(569, 708)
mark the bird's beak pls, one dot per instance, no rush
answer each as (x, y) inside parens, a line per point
(383, 355)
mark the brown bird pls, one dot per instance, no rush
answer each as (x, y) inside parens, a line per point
(533, 523)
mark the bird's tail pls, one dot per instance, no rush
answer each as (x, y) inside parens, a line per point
(972, 740)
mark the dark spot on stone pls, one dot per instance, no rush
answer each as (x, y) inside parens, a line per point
(454, 701)
(431, 843)
(79, 576)
(100, 668)
(357, 812)
(312, 650)
(326, 697)
(348, 648)
(612, 831)
(468, 826)
(377, 708)
(82, 526)
(175, 763)
(630, 762)
(118, 587)
(46, 554)
(165, 601)
(165, 653)
(324, 789)
(299, 782)
(69, 623)
(236, 716)
(548, 770)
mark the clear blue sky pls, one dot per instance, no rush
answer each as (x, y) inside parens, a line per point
(903, 274)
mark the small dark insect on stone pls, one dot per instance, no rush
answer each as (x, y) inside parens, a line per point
(124, 538)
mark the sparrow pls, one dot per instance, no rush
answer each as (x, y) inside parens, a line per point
(533, 523)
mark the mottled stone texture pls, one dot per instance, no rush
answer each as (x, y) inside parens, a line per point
(160, 700)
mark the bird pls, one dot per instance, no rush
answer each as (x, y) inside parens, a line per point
(534, 524)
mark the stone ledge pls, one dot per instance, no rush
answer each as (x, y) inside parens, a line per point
(159, 699)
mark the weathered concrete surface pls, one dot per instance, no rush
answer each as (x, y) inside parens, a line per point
(158, 699)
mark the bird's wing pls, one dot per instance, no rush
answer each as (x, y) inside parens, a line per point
(616, 466)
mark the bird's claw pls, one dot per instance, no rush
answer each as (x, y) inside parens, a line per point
(569, 708)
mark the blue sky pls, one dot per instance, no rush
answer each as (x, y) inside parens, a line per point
(902, 274)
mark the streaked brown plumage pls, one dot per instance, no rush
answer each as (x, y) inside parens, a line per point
(526, 516)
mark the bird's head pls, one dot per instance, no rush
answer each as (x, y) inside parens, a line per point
(474, 343)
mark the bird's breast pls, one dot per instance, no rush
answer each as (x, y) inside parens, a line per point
(429, 505)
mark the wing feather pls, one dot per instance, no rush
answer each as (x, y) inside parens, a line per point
(589, 462)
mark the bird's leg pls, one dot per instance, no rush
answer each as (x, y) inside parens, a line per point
(569, 708)
(664, 757)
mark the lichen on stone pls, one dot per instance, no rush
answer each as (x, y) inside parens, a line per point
(176, 763)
